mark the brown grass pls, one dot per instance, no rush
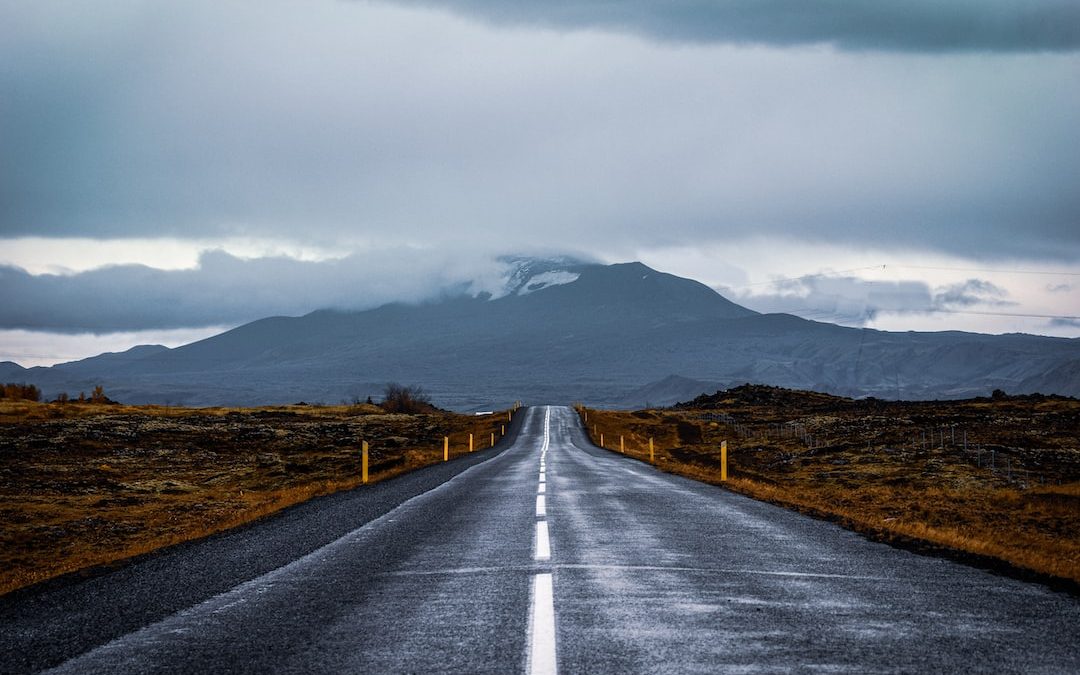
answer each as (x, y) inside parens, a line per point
(1023, 512)
(84, 485)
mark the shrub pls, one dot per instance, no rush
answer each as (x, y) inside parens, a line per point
(410, 399)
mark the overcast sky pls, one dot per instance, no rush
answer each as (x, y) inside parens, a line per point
(171, 169)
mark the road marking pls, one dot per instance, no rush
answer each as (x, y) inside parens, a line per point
(541, 659)
(543, 543)
(542, 631)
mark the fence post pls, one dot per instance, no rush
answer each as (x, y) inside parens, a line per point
(363, 462)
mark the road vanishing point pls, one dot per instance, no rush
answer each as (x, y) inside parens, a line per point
(546, 554)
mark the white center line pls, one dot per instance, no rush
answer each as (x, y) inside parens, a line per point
(543, 544)
(542, 658)
(542, 646)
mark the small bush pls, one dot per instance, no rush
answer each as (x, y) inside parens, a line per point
(410, 399)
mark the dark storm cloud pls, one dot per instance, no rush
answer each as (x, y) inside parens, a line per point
(908, 25)
(225, 290)
(337, 123)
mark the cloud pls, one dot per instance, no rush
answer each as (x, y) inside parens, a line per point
(838, 299)
(969, 293)
(857, 302)
(913, 25)
(350, 124)
(225, 290)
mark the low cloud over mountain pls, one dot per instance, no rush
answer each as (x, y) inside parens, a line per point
(226, 290)
(564, 331)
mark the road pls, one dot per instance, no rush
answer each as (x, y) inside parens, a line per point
(551, 555)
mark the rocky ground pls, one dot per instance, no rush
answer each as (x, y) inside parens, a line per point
(996, 478)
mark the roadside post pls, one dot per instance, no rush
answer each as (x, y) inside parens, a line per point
(652, 452)
(470, 443)
(363, 462)
(622, 445)
(723, 460)
(446, 448)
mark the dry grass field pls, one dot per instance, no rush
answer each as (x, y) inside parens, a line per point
(994, 480)
(83, 485)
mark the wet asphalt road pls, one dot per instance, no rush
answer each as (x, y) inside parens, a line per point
(550, 553)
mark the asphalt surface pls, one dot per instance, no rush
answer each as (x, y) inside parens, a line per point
(551, 555)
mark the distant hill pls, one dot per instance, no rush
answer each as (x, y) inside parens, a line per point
(566, 331)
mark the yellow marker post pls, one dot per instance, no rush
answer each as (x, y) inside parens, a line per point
(723, 460)
(652, 452)
(493, 439)
(622, 445)
(601, 440)
(502, 431)
(363, 462)
(509, 416)
(445, 448)
(470, 443)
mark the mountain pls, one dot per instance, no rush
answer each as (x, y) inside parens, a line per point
(11, 371)
(565, 330)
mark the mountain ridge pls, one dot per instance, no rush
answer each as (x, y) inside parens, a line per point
(566, 330)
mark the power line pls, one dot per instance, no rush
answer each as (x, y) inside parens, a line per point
(985, 313)
(987, 269)
(822, 313)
